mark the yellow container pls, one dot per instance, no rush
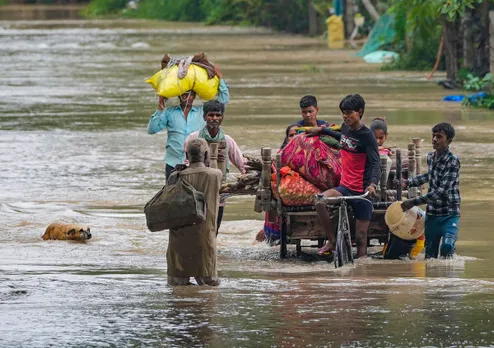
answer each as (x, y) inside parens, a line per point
(336, 32)
(419, 246)
(406, 225)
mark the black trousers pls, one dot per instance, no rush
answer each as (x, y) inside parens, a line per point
(219, 218)
(168, 171)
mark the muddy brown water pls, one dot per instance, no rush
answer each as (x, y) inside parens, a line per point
(73, 147)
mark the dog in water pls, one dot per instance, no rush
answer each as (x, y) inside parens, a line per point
(60, 231)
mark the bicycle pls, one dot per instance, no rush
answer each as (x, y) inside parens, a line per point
(343, 251)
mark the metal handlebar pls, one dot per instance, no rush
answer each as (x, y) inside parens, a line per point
(339, 199)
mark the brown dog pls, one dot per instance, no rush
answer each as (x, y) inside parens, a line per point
(67, 232)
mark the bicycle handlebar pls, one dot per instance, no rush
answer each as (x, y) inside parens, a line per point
(339, 199)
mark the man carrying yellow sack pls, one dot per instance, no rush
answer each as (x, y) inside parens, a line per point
(180, 121)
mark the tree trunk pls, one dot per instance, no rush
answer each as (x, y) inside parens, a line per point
(491, 41)
(450, 48)
(312, 19)
(371, 9)
(481, 55)
(348, 18)
(468, 39)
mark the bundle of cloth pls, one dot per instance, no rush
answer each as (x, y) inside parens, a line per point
(315, 160)
(311, 166)
(179, 75)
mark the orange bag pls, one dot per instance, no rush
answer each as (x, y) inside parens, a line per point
(295, 190)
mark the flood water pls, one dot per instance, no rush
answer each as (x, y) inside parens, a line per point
(74, 148)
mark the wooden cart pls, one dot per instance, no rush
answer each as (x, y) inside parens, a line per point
(301, 222)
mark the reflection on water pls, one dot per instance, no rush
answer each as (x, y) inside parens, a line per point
(74, 148)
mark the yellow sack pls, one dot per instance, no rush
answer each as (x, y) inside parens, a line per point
(205, 87)
(167, 84)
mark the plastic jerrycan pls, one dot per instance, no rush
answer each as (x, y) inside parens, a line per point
(336, 32)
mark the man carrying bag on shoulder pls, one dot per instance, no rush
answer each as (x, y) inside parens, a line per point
(192, 246)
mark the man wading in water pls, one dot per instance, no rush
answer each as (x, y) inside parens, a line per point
(443, 197)
(213, 111)
(192, 249)
(180, 121)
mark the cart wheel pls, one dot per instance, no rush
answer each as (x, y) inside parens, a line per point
(283, 234)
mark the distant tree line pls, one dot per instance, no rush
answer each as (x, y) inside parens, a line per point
(283, 15)
(45, 2)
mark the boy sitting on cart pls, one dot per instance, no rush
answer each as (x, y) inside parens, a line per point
(361, 170)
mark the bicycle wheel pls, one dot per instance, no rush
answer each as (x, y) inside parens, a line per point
(339, 257)
(348, 248)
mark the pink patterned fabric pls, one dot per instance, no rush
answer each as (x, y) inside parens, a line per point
(316, 162)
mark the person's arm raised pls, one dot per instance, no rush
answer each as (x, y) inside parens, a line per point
(158, 121)
(223, 88)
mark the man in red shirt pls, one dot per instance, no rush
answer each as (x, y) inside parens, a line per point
(361, 169)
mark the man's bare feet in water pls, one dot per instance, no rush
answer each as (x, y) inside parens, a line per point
(327, 248)
(260, 236)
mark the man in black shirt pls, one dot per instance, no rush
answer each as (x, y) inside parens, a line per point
(361, 169)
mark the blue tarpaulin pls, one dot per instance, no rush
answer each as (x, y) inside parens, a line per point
(459, 98)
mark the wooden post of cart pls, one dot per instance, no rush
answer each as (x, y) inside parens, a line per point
(412, 192)
(263, 195)
(221, 158)
(279, 208)
(398, 175)
(383, 181)
(266, 179)
(213, 156)
(418, 155)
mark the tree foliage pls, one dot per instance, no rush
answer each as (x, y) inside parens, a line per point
(283, 15)
(104, 7)
(453, 9)
(419, 26)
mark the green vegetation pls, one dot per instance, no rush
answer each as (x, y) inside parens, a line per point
(476, 83)
(418, 33)
(172, 10)
(486, 102)
(283, 15)
(419, 25)
(104, 7)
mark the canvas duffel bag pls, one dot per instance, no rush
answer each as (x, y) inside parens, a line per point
(176, 205)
